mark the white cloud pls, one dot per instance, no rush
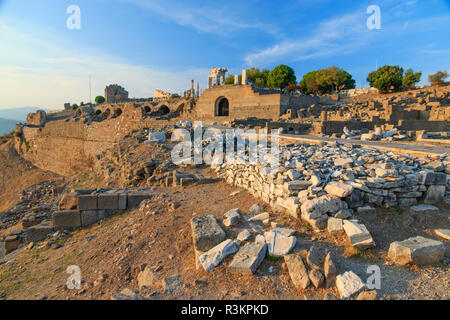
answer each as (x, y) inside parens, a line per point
(331, 36)
(222, 18)
(348, 34)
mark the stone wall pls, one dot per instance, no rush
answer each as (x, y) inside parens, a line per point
(316, 182)
(245, 101)
(94, 205)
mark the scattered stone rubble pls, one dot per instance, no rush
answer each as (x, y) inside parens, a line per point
(80, 208)
(319, 182)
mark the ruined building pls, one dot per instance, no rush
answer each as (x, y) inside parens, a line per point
(115, 93)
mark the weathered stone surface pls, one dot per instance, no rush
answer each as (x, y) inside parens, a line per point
(69, 201)
(145, 278)
(344, 214)
(338, 189)
(443, 233)
(367, 295)
(158, 137)
(335, 226)
(38, 232)
(66, 219)
(11, 243)
(206, 232)
(424, 207)
(316, 278)
(260, 217)
(434, 194)
(316, 257)
(248, 258)
(213, 257)
(315, 211)
(256, 208)
(383, 173)
(244, 235)
(108, 201)
(330, 270)
(358, 235)
(325, 204)
(297, 185)
(432, 178)
(92, 216)
(417, 250)
(297, 271)
(135, 198)
(278, 244)
(284, 231)
(343, 162)
(232, 217)
(87, 202)
(348, 284)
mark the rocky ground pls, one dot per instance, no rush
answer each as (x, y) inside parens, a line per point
(153, 244)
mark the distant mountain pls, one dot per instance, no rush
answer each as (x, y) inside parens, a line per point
(7, 125)
(19, 114)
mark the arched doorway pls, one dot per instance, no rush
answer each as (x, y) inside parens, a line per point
(164, 110)
(222, 107)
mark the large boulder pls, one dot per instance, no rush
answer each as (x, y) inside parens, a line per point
(435, 194)
(213, 257)
(349, 284)
(206, 232)
(297, 271)
(315, 211)
(279, 244)
(339, 189)
(248, 258)
(358, 235)
(417, 250)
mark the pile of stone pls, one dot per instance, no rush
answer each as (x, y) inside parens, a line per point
(318, 182)
(351, 134)
(378, 134)
(315, 267)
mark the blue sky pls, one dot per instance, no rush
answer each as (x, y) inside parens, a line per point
(148, 44)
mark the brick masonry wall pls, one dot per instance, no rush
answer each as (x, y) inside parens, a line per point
(244, 102)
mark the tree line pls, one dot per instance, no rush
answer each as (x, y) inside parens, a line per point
(333, 79)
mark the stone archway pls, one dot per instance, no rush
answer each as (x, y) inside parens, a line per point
(163, 110)
(222, 107)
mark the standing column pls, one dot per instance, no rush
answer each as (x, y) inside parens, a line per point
(236, 79)
(198, 90)
(244, 76)
(192, 89)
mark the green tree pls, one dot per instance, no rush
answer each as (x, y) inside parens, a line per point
(281, 77)
(230, 79)
(438, 78)
(327, 80)
(74, 106)
(386, 78)
(99, 99)
(410, 78)
(258, 77)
